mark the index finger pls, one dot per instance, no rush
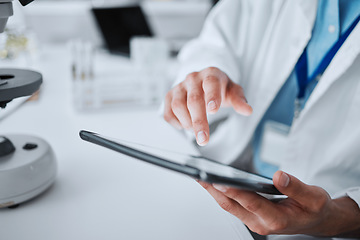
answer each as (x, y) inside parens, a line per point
(254, 203)
(197, 110)
(212, 90)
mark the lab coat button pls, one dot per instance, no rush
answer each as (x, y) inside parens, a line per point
(331, 28)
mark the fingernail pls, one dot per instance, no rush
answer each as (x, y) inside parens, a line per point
(201, 137)
(211, 106)
(220, 188)
(284, 180)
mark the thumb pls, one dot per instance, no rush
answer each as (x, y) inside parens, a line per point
(292, 187)
(236, 98)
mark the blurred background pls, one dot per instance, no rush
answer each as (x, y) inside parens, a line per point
(122, 52)
(59, 20)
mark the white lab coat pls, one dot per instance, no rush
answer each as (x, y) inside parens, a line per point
(257, 44)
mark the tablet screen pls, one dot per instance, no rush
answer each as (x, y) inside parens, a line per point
(198, 162)
(224, 170)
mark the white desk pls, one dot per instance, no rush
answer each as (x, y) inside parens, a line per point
(99, 194)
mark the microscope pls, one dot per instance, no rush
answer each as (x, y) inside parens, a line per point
(27, 163)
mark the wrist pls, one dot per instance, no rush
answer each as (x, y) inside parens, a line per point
(346, 218)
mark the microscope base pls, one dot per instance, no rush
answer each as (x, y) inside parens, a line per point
(27, 172)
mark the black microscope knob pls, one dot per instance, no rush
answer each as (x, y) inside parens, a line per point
(6, 146)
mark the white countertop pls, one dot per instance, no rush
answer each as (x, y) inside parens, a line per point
(100, 194)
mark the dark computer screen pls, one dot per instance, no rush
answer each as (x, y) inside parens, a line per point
(119, 24)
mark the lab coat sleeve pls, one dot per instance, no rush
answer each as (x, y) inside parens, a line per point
(215, 47)
(353, 193)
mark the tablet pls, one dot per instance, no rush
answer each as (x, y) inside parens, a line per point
(197, 167)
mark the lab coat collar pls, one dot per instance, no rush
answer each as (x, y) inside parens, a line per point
(279, 61)
(343, 59)
(340, 63)
(289, 32)
(308, 8)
